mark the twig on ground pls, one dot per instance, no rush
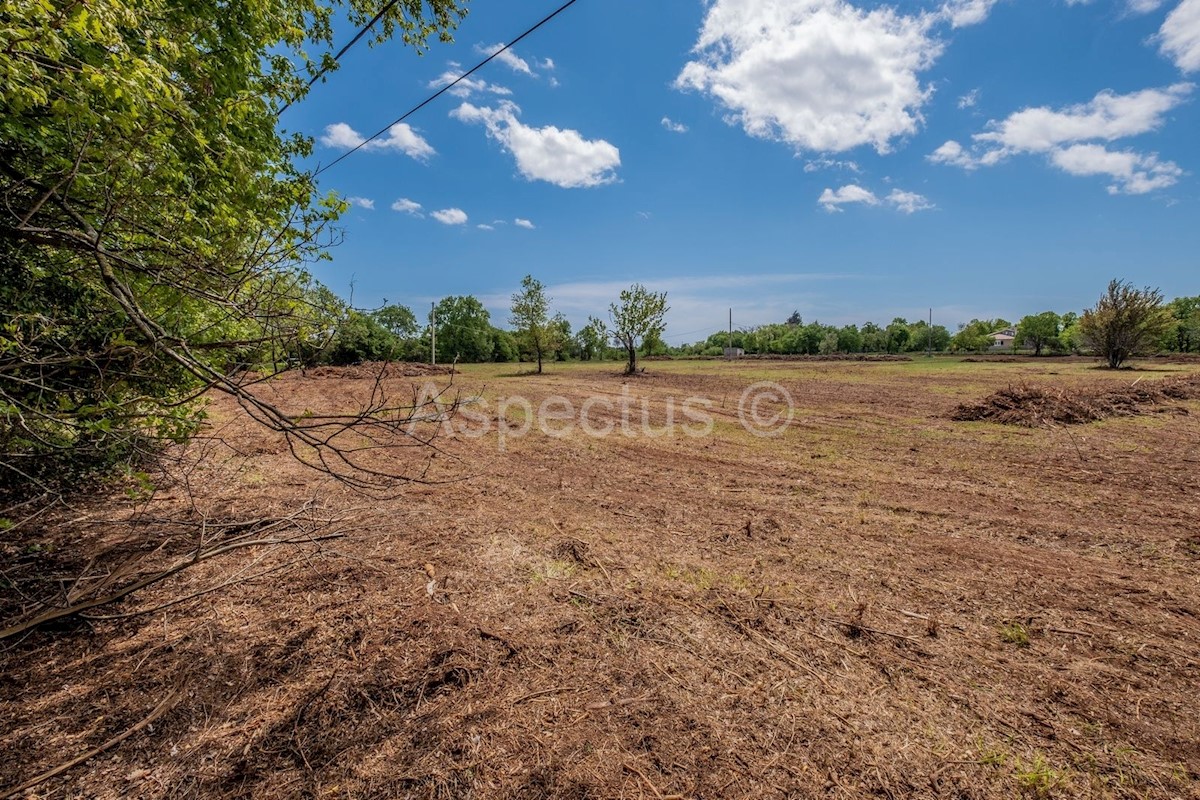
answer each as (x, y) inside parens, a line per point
(163, 707)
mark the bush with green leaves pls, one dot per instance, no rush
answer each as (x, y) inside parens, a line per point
(156, 223)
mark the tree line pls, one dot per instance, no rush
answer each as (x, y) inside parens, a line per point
(466, 333)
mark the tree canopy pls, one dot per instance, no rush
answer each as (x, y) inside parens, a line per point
(531, 318)
(155, 226)
(636, 316)
(1124, 321)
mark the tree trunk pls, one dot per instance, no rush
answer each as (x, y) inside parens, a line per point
(632, 366)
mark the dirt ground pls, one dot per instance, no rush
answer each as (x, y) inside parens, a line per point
(879, 602)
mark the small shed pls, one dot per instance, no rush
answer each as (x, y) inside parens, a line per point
(734, 352)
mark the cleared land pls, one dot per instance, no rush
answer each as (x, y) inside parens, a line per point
(881, 602)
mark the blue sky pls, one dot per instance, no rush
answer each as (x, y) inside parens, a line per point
(855, 161)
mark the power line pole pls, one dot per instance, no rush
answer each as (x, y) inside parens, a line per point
(929, 349)
(432, 334)
(731, 329)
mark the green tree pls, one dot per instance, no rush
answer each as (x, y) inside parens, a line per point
(1040, 331)
(637, 315)
(360, 337)
(563, 341)
(896, 335)
(504, 346)
(1124, 321)
(146, 186)
(873, 338)
(464, 330)
(593, 339)
(849, 340)
(1184, 334)
(973, 336)
(531, 318)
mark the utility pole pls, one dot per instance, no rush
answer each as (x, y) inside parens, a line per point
(731, 329)
(929, 348)
(432, 334)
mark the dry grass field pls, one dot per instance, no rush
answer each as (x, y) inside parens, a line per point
(878, 602)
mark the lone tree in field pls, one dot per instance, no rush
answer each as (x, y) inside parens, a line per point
(1124, 321)
(531, 318)
(637, 316)
(1039, 331)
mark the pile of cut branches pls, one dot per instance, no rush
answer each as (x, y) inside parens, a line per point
(1031, 406)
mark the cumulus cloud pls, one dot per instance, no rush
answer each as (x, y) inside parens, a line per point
(466, 86)
(908, 202)
(1132, 173)
(1070, 138)
(483, 226)
(362, 202)
(902, 201)
(961, 13)
(954, 154)
(851, 193)
(1179, 36)
(969, 99)
(674, 127)
(523, 223)
(820, 75)
(406, 206)
(508, 58)
(561, 157)
(450, 216)
(399, 137)
(1107, 116)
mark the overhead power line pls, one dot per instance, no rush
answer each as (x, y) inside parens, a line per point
(443, 90)
(338, 57)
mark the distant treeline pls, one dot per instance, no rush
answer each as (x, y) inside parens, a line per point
(464, 331)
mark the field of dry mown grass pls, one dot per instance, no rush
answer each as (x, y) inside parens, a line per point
(880, 602)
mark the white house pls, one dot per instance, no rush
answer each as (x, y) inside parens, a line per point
(1004, 339)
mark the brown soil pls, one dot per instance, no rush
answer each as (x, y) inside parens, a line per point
(1031, 406)
(879, 603)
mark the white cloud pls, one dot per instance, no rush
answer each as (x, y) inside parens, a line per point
(902, 201)
(406, 206)
(483, 226)
(398, 137)
(467, 86)
(969, 99)
(1070, 137)
(450, 216)
(362, 202)
(953, 153)
(674, 127)
(908, 202)
(851, 193)
(1143, 6)
(1179, 36)
(1132, 173)
(1107, 116)
(830, 163)
(819, 75)
(509, 57)
(341, 136)
(523, 223)
(547, 64)
(961, 13)
(561, 157)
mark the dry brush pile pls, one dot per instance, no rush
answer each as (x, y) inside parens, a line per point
(1031, 406)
